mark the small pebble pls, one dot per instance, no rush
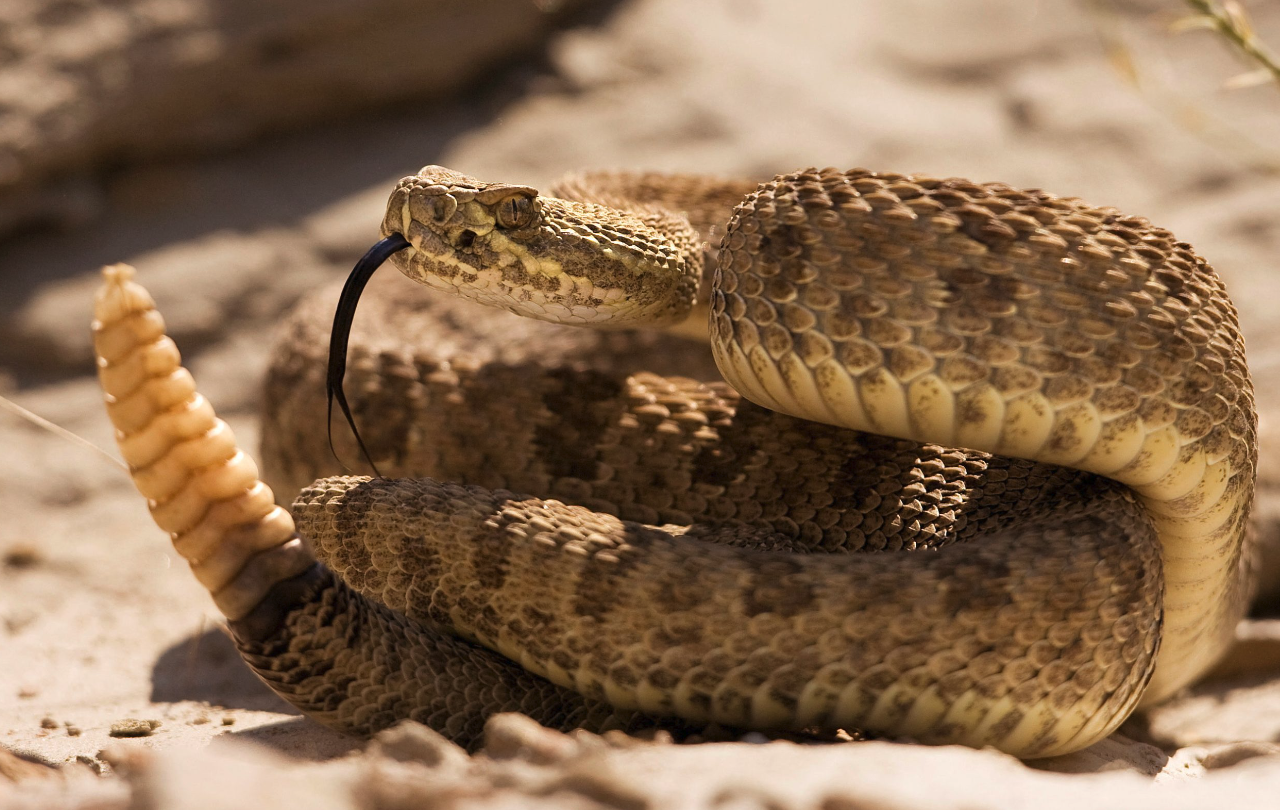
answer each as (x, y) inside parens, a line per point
(134, 728)
(48, 722)
(228, 720)
(201, 720)
(73, 731)
(21, 555)
(18, 621)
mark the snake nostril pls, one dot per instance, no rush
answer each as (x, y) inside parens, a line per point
(466, 238)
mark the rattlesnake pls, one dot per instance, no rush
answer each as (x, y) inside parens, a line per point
(639, 546)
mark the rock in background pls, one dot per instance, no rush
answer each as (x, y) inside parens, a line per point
(88, 85)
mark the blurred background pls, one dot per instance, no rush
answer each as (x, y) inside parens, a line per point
(240, 153)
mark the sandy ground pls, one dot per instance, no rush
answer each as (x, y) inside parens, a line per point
(101, 623)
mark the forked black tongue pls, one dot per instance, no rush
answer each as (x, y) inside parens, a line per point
(338, 338)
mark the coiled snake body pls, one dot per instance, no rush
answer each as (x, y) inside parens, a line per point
(638, 546)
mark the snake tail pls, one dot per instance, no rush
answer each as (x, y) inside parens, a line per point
(201, 487)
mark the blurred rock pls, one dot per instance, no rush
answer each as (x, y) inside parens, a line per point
(414, 742)
(1225, 756)
(15, 767)
(592, 774)
(85, 85)
(230, 777)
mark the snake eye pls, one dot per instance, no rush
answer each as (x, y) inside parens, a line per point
(516, 211)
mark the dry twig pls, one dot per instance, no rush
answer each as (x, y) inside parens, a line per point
(1170, 100)
(1230, 19)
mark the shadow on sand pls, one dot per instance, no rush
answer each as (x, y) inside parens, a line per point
(206, 667)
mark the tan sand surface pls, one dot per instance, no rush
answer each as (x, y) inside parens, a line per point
(99, 620)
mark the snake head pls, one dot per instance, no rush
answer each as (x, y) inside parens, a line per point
(446, 213)
(506, 246)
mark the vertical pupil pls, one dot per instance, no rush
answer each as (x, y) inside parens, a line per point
(511, 211)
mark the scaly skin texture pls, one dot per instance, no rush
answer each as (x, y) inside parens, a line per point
(630, 540)
(1017, 323)
(348, 662)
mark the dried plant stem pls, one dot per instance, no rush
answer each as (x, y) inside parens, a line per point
(1229, 19)
(57, 430)
(1169, 100)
